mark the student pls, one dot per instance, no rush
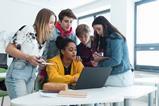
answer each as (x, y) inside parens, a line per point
(66, 68)
(26, 47)
(113, 45)
(84, 48)
(63, 28)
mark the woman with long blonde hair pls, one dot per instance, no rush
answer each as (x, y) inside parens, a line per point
(26, 46)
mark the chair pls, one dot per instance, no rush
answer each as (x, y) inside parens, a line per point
(3, 68)
(40, 80)
(3, 94)
(3, 60)
(3, 91)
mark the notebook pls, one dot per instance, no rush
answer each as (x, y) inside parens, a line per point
(92, 77)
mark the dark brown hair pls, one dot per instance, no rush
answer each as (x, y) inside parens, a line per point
(62, 43)
(67, 12)
(108, 28)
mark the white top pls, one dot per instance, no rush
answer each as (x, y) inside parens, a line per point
(98, 95)
(26, 39)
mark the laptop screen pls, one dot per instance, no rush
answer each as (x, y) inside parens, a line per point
(92, 77)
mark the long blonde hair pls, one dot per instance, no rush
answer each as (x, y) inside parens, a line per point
(41, 24)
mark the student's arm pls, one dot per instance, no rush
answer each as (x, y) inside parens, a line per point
(79, 68)
(13, 51)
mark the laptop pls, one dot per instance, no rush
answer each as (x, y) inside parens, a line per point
(92, 77)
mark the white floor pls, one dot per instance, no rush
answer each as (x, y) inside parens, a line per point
(139, 102)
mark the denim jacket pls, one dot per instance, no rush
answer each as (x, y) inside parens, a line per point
(117, 51)
(51, 50)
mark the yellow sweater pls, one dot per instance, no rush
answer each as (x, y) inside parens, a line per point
(56, 72)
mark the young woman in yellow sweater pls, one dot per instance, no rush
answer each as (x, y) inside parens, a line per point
(66, 68)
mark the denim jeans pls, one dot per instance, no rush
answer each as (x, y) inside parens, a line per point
(121, 80)
(20, 79)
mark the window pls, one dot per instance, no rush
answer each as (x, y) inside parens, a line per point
(147, 34)
(106, 15)
(74, 24)
(88, 19)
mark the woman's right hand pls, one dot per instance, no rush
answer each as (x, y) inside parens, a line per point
(32, 60)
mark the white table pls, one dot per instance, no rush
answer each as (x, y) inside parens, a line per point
(98, 95)
(154, 81)
(133, 92)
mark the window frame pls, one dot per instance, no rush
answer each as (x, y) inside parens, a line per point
(143, 47)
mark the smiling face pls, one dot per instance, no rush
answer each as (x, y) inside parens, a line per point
(66, 23)
(70, 51)
(98, 28)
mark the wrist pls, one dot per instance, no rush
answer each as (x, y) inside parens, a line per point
(26, 57)
(73, 79)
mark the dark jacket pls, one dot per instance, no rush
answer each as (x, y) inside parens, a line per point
(85, 53)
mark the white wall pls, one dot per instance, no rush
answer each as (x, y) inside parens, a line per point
(122, 17)
(15, 14)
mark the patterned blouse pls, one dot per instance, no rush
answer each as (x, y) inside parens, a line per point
(25, 40)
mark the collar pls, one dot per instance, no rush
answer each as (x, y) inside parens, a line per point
(62, 32)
